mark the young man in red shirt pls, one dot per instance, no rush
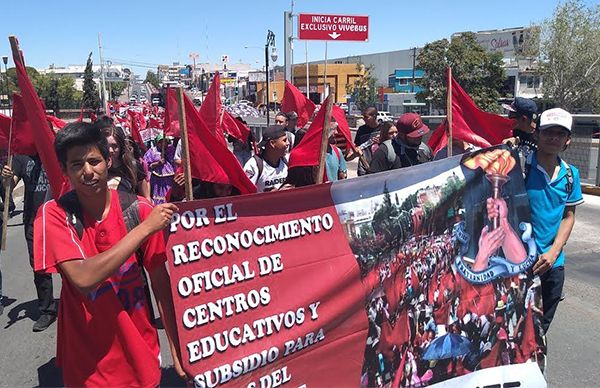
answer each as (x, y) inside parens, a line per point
(105, 335)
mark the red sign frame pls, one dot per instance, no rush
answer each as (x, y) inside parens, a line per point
(333, 27)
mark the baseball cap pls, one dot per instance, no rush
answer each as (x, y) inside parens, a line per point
(411, 125)
(556, 117)
(271, 133)
(523, 106)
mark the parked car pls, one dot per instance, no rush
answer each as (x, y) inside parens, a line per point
(383, 116)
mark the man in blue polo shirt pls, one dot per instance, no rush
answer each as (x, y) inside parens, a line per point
(554, 190)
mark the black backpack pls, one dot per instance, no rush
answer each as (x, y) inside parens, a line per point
(130, 208)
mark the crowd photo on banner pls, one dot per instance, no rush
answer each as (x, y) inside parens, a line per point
(451, 236)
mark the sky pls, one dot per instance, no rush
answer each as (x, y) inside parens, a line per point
(151, 32)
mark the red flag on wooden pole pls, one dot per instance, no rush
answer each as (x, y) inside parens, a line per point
(469, 123)
(42, 134)
(294, 100)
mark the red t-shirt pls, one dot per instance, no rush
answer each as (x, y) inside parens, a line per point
(104, 338)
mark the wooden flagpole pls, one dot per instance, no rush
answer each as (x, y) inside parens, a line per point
(185, 150)
(7, 188)
(325, 136)
(449, 111)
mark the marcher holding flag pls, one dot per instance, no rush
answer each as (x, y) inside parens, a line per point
(105, 332)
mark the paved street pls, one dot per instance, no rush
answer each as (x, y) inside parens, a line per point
(27, 359)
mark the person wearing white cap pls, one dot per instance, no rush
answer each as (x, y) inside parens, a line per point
(554, 189)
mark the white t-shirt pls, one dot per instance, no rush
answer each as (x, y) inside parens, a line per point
(178, 151)
(270, 178)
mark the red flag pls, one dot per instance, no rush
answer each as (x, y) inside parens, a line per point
(400, 371)
(295, 100)
(210, 159)
(171, 123)
(211, 108)
(42, 134)
(307, 152)
(56, 122)
(401, 332)
(528, 342)
(235, 127)
(4, 131)
(154, 123)
(137, 119)
(470, 124)
(22, 135)
(340, 118)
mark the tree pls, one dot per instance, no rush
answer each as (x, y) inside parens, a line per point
(152, 79)
(90, 94)
(116, 88)
(479, 72)
(363, 91)
(570, 56)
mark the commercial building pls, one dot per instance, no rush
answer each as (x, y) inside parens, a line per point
(112, 73)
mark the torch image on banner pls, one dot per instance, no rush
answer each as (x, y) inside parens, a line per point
(499, 235)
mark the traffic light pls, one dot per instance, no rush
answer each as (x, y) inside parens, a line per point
(237, 90)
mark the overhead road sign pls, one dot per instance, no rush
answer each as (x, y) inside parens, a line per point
(333, 27)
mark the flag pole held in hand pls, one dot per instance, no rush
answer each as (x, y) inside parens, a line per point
(185, 150)
(325, 136)
(7, 189)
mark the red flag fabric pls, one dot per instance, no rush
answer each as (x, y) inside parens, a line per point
(400, 371)
(470, 124)
(154, 123)
(4, 131)
(42, 134)
(171, 124)
(295, 100)
(307, 152)
(211, 108)
(22, 136)
(401, 332)
(343, 128)
(137, 123)
(56, 122)
(528, 342)
(235, 127)
(210, 159)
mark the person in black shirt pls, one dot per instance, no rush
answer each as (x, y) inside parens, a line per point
(385, 158)
(408, 145)
(523, 112)
(37, 187)
(366, 135)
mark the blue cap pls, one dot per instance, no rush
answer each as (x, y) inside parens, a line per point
(522, 106)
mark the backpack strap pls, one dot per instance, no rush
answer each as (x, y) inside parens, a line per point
(70, 204)
(130, 207)
(260, 164)
(570, 179)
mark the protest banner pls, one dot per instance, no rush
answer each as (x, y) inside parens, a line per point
(412, 276)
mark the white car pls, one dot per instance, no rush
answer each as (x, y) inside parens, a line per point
(383, 116)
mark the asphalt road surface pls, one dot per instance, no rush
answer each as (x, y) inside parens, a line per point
(27, 358)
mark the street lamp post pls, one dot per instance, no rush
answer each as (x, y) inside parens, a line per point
(270, 43)
(5, 60)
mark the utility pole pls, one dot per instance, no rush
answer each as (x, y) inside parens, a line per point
(288, 50)
(412, 84)
(194, 56)
(102, 74)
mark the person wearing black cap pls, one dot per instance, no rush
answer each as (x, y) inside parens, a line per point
(268, 170)
(524, 113)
